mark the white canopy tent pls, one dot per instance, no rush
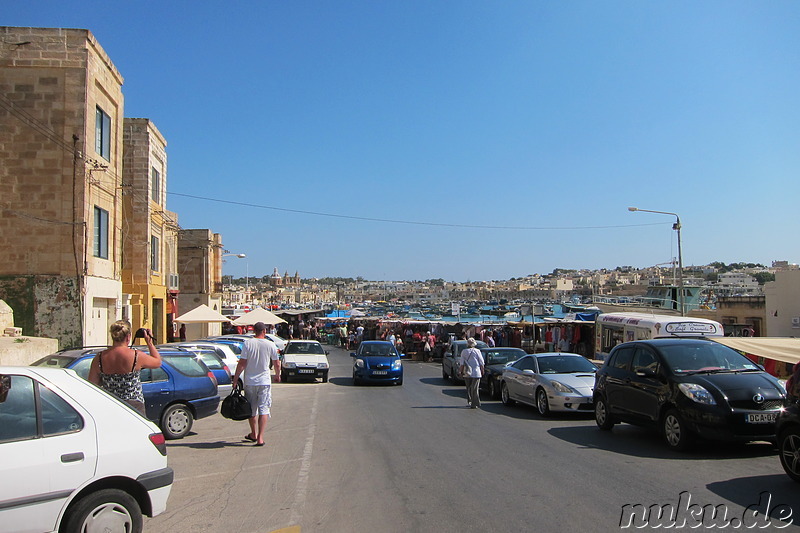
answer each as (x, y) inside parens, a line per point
(785, 349)
(258, 315)
(200, 314)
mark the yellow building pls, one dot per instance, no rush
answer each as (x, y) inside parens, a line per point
(149, 241)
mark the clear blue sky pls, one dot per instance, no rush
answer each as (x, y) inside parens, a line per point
(555, 115)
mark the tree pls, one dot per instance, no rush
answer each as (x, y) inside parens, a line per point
(763, 277)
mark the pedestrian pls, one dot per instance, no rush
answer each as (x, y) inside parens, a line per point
(793, 385)
(399, 345)
(254, 363)
(472, 368)
(182, 332)
(391, 338)
(490, 340)
(432, 343)
(117, 369)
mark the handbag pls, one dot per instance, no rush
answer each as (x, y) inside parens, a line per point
(236, 406)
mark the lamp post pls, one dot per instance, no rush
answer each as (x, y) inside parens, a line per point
(677, 227)
(247, 266)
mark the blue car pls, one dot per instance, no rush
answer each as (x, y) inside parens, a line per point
(181, 391)
(377, 362)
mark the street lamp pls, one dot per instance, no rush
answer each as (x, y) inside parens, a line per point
(677, 227)
(247, 270)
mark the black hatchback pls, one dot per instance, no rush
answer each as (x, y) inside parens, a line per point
(687, 388)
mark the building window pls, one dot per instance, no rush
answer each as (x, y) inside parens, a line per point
(102, 129)
(100, 233)
(154, 266)
(155, 185)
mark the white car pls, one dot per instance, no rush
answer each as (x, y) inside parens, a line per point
(304, 359)
(74, 458)
(558, 381)
(224, 351)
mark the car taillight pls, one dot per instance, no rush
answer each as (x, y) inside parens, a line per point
(213, 378)
(159, 442)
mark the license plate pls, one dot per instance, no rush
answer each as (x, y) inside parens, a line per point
(306, 371)
(379, 372)
(761, 418)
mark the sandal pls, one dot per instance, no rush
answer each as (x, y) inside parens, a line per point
(250, 438)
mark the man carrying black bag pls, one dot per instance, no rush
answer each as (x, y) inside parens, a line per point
(254, 362)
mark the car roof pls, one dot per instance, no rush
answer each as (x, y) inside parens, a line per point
(671, 341)
(375, 342)
(309, 341)
(558, 354)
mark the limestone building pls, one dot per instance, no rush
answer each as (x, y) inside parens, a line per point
(200, 270)
(61, 119)
(149, 239)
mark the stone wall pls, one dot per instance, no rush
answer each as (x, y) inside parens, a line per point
(22, 351)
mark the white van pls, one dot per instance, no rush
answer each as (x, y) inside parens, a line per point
(614, 328)
(304, 359)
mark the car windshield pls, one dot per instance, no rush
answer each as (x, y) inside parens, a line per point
(185, 364)
(705, 357)
(501, 357)
(59, 361)
(384, 350)
(211, 360)
(303, 348)
(565, 364)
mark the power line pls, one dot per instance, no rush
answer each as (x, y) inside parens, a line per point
(410, 222)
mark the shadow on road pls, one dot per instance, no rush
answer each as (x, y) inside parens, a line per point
(208, 445)
(641, 442)
(747, 491)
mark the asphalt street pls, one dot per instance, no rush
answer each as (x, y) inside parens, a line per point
(414, 458)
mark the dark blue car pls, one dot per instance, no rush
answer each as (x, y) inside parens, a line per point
(377, 362)
(175, 395)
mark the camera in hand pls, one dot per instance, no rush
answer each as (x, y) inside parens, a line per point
(141, 333)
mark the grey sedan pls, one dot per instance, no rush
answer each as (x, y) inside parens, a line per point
(550, 382)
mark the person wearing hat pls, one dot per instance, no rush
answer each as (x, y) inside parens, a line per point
(472, 368)
(257, 353)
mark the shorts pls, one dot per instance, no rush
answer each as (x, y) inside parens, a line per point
(260, 398)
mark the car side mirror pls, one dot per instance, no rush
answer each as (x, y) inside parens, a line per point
(352, 354)
(528, 371)
(327, 352)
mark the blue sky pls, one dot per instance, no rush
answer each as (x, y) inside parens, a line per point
(549, 116)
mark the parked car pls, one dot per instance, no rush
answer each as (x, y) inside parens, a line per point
(496, 360)
(181, 391)
(215, 364)
(450, 358)
(225, 351)
(687, 388)
(550, 382)
(378, 362)
(787, 429)
(304, 359)
(74, 458)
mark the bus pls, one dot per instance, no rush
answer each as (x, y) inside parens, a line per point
(614, 328)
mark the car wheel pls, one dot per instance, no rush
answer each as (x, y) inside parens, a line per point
(400, 381)
(356, 381)
(505, 397)
(542, 405)
(104, 510)
(325, 377)
(493, 392)
(602, 417)
(444, 373)
(789, 450)
(676, 434)
(284, 377)
(176, 421)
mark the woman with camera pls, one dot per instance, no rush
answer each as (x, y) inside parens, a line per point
(117, 369)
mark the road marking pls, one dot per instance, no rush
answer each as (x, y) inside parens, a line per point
(305, 465)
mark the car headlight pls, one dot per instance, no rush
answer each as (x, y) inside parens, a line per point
(360, 363)
(560, 387)
(290, 365)
(397, 364)
(782, 383)
(322, 365)
(697, 393)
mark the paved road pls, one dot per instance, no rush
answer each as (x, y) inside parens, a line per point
(413, 458)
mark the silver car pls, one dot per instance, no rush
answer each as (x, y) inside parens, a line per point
(550, 382)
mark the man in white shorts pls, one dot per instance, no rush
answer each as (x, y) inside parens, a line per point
(254, 362)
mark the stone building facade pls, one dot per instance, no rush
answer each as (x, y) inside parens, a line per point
(61, 112)
(149, 241)
(200, 269)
